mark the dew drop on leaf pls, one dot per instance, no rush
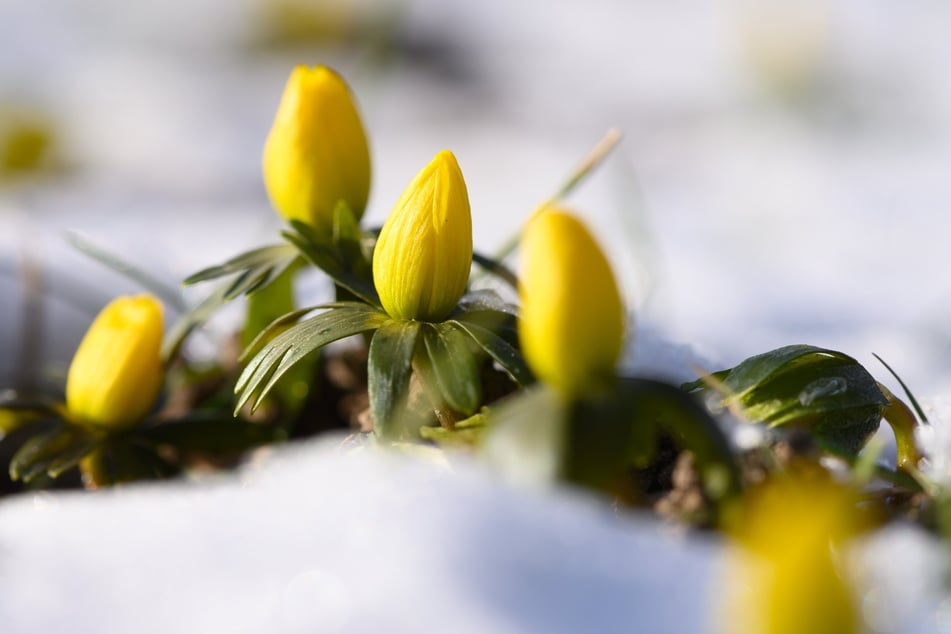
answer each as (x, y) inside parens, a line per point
(820, 388)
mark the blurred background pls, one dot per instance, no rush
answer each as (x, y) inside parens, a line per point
(783, 177)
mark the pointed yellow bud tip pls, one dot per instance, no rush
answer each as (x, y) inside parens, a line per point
(316, 154)
(116, 373)
(423, 255)
(571, 322)
(785, 576)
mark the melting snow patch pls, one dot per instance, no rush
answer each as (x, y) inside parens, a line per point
(316, 539)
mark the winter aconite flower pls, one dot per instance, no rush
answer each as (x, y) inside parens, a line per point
(116, 373)
(785, 573)
(316, 154)
(571, 324)
(423, 255)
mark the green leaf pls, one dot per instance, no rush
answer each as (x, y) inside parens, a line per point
(536, 436)
(827, 392)
(120, 460)
(288, 348)
(282, 323)
(348, 237)
(503, 352)
(911, 397)
(496, 322)
(70, 457)
(454, 366)
(267, 305)
(342, 257)
(51, 452)
(388, 369)
(486, 300)
(841, 405)
(264, 307)
(653, 403)
(18, 411)
(189, 321)
(903, 423)
(260, 259)
(813, 391)
(756, 370)
(603, 437)
(704, 382)
(211, 433)
(255, 270)
(170, 296)
(526, 435)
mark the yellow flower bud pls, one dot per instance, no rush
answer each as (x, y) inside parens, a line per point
(116, 373)
(316, 154)
(784, 574)
(571, 323)
(423, 255)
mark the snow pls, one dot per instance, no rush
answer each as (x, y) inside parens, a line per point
(903, 571)
(317, 539)
(739, 221)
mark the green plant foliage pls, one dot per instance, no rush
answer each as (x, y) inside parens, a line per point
(465, 434)
(446, 357)
(691, 427)
(444, 363)
(537, 436)
(827, 392)
(388, 369)
(251, 270)
(208, 432)
(494, 331)
(292, 345)
(117, 461)
(345, 257)
(51, 443)
(341, 256)
(450, 358)
(169, 296)
(56, 447)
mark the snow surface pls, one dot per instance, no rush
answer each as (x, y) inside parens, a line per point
(317, 539)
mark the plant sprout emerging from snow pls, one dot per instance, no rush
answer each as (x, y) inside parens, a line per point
(571, 321)
(440, 356)
(117, 371)
(584, 424)
(421, 266)
(823, 391)
(316, 167)
(316, 154)
(105, 425)
(423, 255)
(785, 576)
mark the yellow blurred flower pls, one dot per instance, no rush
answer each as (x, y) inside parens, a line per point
(423, 255)
(571, 323)
(26, 140)
(116, 373)
(316, 153)
(785, 578)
